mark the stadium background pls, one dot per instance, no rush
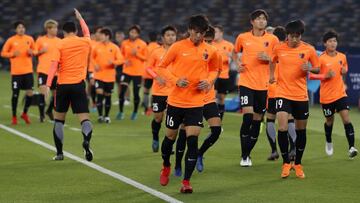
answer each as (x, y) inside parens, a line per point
(151, 15)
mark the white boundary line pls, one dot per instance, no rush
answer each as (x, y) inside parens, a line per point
(99, 168)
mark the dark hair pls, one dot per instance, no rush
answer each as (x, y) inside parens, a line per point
(106, 32)
(135, 27)
(198, 22)
(220, 27)
(96, 28)
(257, 13)
(280, 33)
(330, 34)
(295, 27)
(69, 27)
(210, 32)
(168, 28)
(19, 22)
(152, 36)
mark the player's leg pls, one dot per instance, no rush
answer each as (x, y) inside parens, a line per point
(301, 114)
(329, 112)
(212, 116)
(109, 86)
(42, 88)
(180, 150)
(146, 96)
(221, 86)
(343, 108)
(49, 111)
(246, 103)
(28, 85)
(158, 107)
(271, 129)
(99, 85)
(136, 92)
(124, 81)
(292, 137)
(15, 81)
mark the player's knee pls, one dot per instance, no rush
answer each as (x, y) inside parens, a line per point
(247, 119)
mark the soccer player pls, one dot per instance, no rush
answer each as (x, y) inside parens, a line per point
(292, 58)
(95, 39)
(106, 55)
(194, 68)
(134, 51)
(333, 97)
(147, 78)
(20, 49)
(255, 46)
(45, 48)
(72, 58)
(280, 33)
(222, 84)
(160, 88)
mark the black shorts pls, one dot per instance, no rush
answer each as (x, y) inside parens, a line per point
(106, 86)
(211, 110)
(336, 106)
(22, 82)
(71, 94)
(222, 86)
(299, 109)
(188, 116)
(42, 78)
(118, 74)
(255, 98)
(148, 83)
(159, 103)
(125, 78)
(271, 105)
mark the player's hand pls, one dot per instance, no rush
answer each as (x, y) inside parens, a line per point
(97, 68)
(30, 52)
(43, 50)
(305, 67)
(182, 82)
(133, 52)
(241, 67)
(127, 63)
(77, 14)
(330, 74)
(343, 70)
(272, 79)
(47, 92)
(203, 85)
(16, 53)
(161, 81)
(262, 56)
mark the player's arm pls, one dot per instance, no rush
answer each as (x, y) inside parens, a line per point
(84, 27)
(274, 59)
(162, 69)
(314, 60)
(142, 54)
(344, 68)
(119, 59)
(214, 67)
(31, 51)
(6, 51)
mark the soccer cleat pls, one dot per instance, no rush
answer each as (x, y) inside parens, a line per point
(292, 155)
(58, 157)
(352, 152)
(107, 120)
(120, 116)
(133, 116)
(127, 102)
(285, 170)
(87, 151)
(200, 164)
(155, 146)
(50, 115)
(42, 119)
(100, 119)
(329, 149)
(186, 187)
(246, 162)
(26, 118)
(14, 120)
(178, 172)
(273, 156)
(164, 175)
(299, 171)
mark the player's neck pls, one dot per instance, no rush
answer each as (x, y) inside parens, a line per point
(20, 35)
(331, 52)
(219, 40)
(133, 40)
(50, 36)
(166, 46)
(258, 32)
